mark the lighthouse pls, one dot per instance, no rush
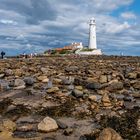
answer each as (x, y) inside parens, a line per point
(92, 34)
(92, 46)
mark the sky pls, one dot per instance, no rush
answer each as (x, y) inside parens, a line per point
(37, 25)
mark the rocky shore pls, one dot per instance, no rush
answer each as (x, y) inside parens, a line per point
(68, 98)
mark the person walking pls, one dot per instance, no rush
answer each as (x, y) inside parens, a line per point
(2, 54)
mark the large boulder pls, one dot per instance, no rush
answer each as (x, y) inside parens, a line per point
(47, 125)
(109, 134)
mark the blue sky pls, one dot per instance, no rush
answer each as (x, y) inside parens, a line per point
(38, 25)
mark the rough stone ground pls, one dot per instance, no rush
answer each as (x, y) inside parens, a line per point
(83, 95)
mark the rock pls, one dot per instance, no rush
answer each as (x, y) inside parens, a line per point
(7, 125)
(79, 87)
(68, 131)
(53, 90)
(57, 81)
(44, 70)
(25, 128)
(132, 75)
(4, 85)
(2, 75)
(103, 79)
(136, 94)
(19, 83)
(61, 125)
(92, 98)
(20, 87)
(28, 120)
(138, 124)
(47, 125)
(18, 72)
(79, 81)
(29, 81)
(70, 87)
(67, 80)
(115, 86)
(137, 85)
(8, 72)
(43, 79)
(105, 100)
(77, 93)
(72, 69)
(93, 86)
(109, 134)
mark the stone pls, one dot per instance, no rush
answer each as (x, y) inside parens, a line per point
(92, 98)
(8, 72)
(18, 72)
(2, 75)
(68, 131)
(72, 69)
(136, 94)
(138, 124)
(29, 81)
(28, 120)
(93, 86)
(105, 100)
(137, 85)
(44, 70)
(109, 134)
(19, 83)
(7, 125)
(53, 90)
(20, 87)
(4, 85)
(103, 79)
(25, 128)
(47, 125)
(70, 87)
(77, 93)
(43, 79)
(79, 87)
(132, 75)
(115, 86)
(57, 81)
(67, 80)
(61, 124)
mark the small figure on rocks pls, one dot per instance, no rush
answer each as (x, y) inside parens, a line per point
(2, 54)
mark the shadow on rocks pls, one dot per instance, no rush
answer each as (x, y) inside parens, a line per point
(126, 125)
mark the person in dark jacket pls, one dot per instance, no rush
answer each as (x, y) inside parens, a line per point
(2, 54)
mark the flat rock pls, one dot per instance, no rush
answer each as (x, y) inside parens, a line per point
(77, 93)
(109, 134)
(47, 125)
(19, 82)
(93, 86)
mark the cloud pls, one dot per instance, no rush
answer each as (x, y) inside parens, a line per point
(5, 21)
(43, 24)
(128, 15)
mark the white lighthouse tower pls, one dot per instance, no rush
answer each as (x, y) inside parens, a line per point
(92, 41)
(92, 34)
